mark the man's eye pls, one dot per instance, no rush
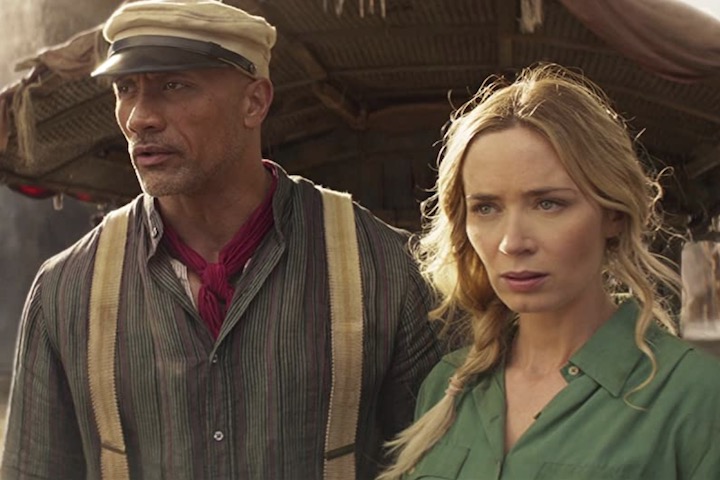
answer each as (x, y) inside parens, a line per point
(173, 86)
(121, 88)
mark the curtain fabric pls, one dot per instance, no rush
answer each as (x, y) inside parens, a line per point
(668, 37)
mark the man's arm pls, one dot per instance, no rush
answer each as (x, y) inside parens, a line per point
(416, 351)
(42, 439)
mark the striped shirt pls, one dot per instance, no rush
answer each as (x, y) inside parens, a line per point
(252, 404)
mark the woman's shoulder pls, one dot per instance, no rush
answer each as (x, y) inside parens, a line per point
(688, 373)
(435, 384)
(698, 369)
(687, 359)
(447, 366)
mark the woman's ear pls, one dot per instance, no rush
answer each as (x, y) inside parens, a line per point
(258, 97)
(613, 223)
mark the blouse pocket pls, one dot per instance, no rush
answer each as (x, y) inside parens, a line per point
(559, 471)
(442, 463)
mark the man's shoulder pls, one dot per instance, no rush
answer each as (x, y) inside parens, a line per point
(78, 256)
(367, 222)
(80, 251)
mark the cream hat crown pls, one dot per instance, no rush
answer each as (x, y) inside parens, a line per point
(157, 35)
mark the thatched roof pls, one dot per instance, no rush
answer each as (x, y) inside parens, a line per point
(358, 97)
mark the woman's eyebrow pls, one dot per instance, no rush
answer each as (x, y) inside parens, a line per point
(536, 192)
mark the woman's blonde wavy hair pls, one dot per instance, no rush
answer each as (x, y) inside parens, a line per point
(594, 146)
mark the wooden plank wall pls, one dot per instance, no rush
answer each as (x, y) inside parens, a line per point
(388, 173)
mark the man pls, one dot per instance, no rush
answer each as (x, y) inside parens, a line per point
(222, 361)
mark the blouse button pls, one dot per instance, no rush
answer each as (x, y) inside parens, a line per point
(218, 436)
(573, 370)
(155, 232)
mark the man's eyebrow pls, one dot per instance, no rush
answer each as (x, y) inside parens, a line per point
(120, 79)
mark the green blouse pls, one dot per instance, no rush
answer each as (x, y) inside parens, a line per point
(590, 430)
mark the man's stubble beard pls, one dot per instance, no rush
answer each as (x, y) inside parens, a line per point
(186, 179)
(176, 181)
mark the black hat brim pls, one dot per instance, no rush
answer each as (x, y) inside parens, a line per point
(149, 59)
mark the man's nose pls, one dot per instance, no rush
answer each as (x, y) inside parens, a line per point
(145, 114)
(517, 237)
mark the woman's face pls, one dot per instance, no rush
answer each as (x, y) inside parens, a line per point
(540, 239)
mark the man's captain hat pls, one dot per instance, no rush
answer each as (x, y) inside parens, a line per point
(160, 36)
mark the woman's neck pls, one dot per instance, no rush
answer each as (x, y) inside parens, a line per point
(544, 342)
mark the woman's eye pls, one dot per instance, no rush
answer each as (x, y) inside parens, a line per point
(483, 209)
(549, 205)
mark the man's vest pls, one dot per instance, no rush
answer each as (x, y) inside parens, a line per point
(346, 307)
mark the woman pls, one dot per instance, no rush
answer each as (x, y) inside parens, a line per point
(536, 243)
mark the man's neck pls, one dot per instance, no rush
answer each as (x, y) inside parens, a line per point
(207, 221)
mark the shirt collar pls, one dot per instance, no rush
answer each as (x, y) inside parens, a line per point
(609, 357)
(153, 223)
(282, 207)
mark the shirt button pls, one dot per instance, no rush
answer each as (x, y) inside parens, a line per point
(155, 232)
(573, 370)
(218, 436)
(215, 359)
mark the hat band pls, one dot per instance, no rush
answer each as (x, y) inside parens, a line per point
(209, 49)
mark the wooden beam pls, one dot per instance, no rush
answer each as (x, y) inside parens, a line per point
(286, 87)
(660, 100)
(415, 69)
(410, 117)
(507, 15)
(409, 31)
(330, 96)
(345, 145)
(707, 159)
(315, 70)
(562, 43)
(640, 122)
(340, 104)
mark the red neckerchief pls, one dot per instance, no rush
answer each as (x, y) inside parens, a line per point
(216, 292)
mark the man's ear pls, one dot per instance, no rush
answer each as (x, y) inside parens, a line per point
(613, 223)
(258, 97)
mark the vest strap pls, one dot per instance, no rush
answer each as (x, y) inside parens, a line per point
(102, 334)
(346, 306)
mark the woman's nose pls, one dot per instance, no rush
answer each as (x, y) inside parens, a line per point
(516, 239)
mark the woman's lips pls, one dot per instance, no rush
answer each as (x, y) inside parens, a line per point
(524, 281)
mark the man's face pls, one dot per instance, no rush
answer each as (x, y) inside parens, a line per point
(185, 130)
